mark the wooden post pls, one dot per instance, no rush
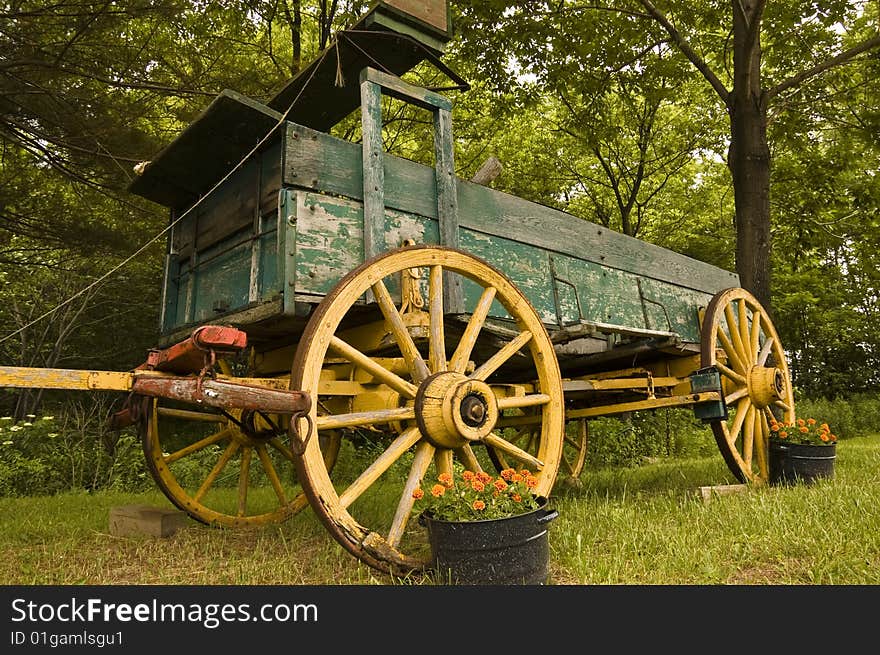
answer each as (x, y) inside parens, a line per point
(374, 168)
(490, 170)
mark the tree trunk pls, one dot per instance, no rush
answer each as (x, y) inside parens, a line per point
(749, 162)
(749, 153)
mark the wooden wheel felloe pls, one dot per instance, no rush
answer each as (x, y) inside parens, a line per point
(739, 339)
(442, 399)
(227, 469)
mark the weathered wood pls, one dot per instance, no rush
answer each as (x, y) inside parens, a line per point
(710, 492)
(373, 168)
(488, 172)
(397, 88)
(332, 166)
(447, 203)
(222, 393)
(60, 378)
(145, 520)
(432, 12)
(230, 127)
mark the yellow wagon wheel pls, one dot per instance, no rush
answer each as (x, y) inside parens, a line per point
(738, 338)
(445, 403)
(228, 469)
(574, 449)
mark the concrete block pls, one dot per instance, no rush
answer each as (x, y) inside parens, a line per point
(139, 520)
(707, 493)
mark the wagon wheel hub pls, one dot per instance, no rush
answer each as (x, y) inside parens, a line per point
(250, 428)
(766, 385)
(452, 410)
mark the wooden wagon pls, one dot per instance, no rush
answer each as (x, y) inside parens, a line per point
(326, 303)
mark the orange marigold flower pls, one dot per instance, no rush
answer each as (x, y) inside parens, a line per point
(801, 422)
(783, 434)
(477, 485)
(517, 498)
(774, 426)
(531, 482)
(500, 484)
(832, 437)
(479, 505)
(824, 437)
(825, 427)
(525, 473)
(516, 478)
(445, 479)
(484, 477)
(804, 429)
(507, 474)
(418, 494)
(438, 490)
(811, 421)
(467, 476)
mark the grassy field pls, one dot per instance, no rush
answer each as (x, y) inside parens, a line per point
(635, 526)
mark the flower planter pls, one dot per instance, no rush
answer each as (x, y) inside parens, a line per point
(791, 463)
(506, 551)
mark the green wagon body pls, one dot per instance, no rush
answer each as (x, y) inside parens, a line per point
(283, 229)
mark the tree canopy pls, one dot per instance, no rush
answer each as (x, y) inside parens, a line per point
(646, 117)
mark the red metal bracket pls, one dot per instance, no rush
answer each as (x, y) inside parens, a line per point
(191, 355)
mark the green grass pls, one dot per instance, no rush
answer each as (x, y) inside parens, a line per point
(633, 526)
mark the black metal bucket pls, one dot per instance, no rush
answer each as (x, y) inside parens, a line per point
(791, 463)
(509, 551)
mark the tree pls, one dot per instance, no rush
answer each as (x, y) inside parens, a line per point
(748, 101)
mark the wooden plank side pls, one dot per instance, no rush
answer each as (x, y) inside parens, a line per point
(329, 245)
(329, 239)
(320, 162)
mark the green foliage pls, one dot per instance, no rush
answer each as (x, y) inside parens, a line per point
(850, 416)
(473, 496)
(808, 431)
(644, 436)
(72, 451)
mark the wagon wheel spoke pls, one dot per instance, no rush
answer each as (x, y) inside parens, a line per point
(462, 354)
(218, 467)
(361, 360)
(437, 339)
(740, 341)
(271, 473)
(736, 395)
(398, 329)
(204, 463)
(762, 432)
(244, 475)
(494, 441)
(518, 402)
(381, 464)
(498, 359)
(431, 413)
(421, 460)
(742, 410)
(284, 450)
(467, 457)
(735, 334)
(443, 458)
(198, 445)
(748, 435)
(206, 417)
(360, 419)
(765, 351)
